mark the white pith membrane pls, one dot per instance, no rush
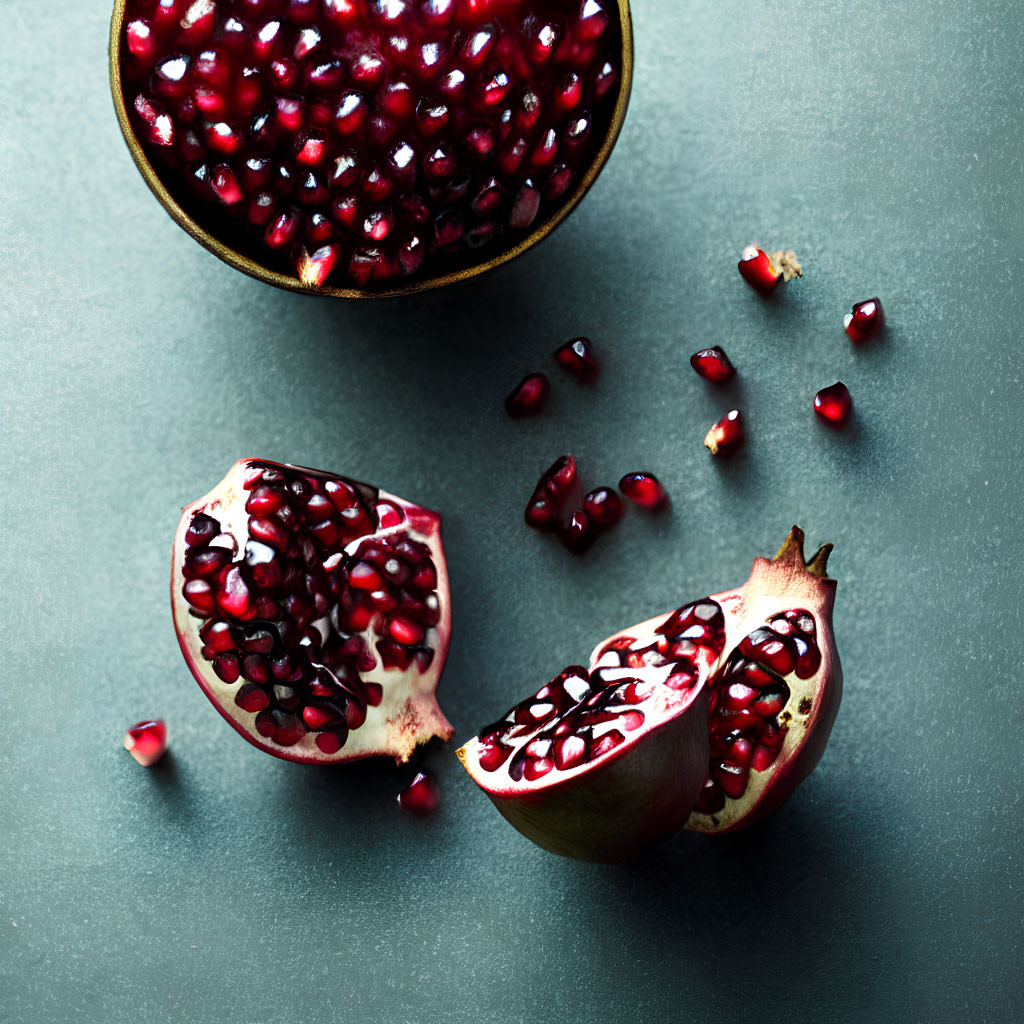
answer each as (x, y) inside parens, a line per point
(393, 684)
(760, 719)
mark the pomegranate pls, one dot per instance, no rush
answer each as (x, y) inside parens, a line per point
(147, 741)
(314, 612)
(605, 761)
(348, 146)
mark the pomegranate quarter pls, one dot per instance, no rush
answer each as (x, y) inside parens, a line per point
(367, 147)
(706, 717)
(314, 612)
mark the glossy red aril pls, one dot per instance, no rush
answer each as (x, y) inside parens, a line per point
(757, 270)
(420, 797)
(579, 532)
(834, 404)
(147, 741)
(763, 272)
(865, 320)
(643, 489)
(726, 436)
(406, 137)
(557, 495)
(528, 397)
(707, 716)
(577, 358)
(712, 364)
(314, 612)
(604, 506)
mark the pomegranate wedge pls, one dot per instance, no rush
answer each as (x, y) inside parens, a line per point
(708, 716)
(314, 612)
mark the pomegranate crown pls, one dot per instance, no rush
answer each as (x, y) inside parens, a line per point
(792, 551)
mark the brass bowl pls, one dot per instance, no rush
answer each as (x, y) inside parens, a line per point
(254, 269)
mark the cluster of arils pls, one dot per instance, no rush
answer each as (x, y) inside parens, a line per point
(312, 609)
(359, 141)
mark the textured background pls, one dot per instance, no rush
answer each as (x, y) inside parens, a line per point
(883, 142)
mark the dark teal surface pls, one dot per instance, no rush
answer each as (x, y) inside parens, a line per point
(880, 140)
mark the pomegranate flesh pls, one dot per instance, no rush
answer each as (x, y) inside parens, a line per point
(314, 612)
(356, 142)
(600, 763)
(147, 741)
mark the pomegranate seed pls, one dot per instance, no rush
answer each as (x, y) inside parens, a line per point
(579, 533)
(577, 357)
(529, 396)
(834, 405)
(314, 270)
(712, 364)
(603, 506)
(147, 741)
(559, 488)
(420, 797)
(422, 102)
(644, 489)
(865, 320)
(726, 435)
(757, 270)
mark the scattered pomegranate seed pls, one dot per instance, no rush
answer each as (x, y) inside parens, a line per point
(644, 489)
(529, 396)
(604, 506)
(834, 405)
(757, 270)
(865, 320)
(558, 489)
(763, 272)
(577, 357)
(726, 435)
(146, 741)
(712, 364)
(579, 533)
(420, 797)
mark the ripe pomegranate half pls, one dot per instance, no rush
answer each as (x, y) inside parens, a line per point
(370, 147)
(708, 717)
(314, 612)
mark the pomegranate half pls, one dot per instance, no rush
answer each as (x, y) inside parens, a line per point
(369, 147)
(314, 612)
(708, 716)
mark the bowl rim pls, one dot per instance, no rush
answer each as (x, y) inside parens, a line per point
(251, 267)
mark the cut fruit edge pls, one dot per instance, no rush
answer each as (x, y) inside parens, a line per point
(396, 726)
